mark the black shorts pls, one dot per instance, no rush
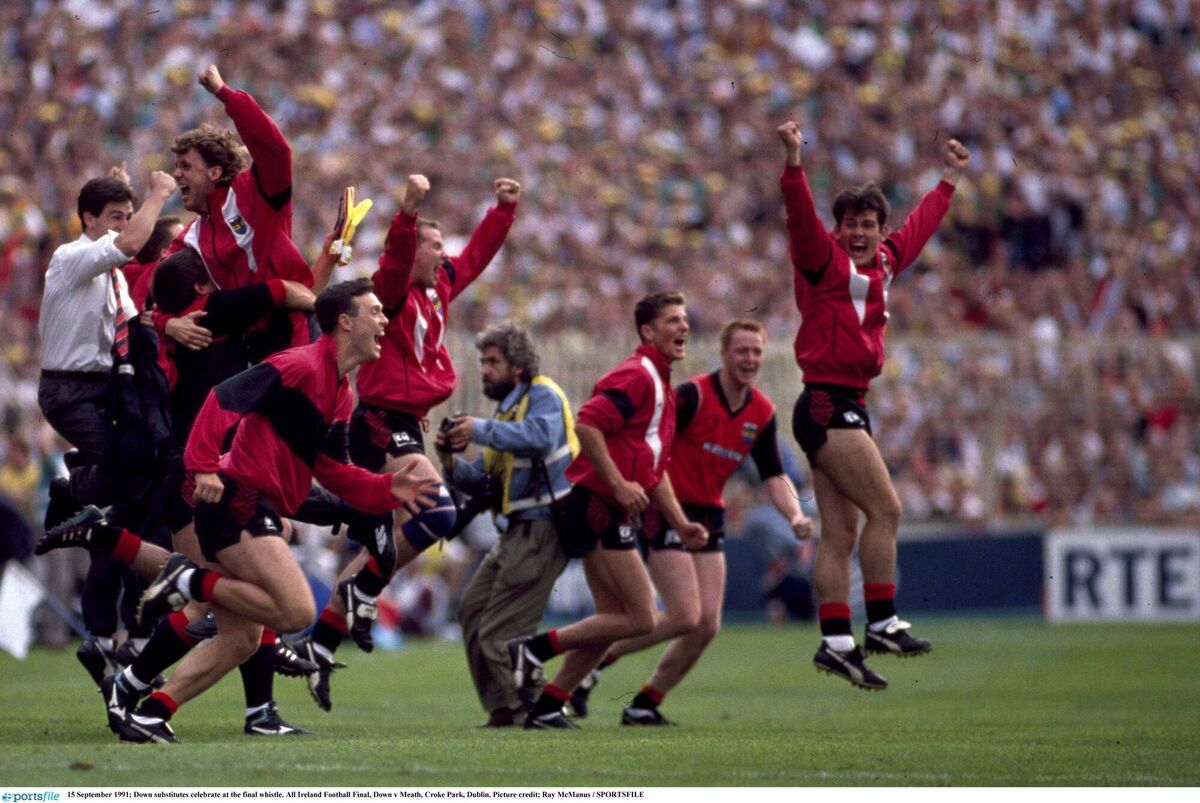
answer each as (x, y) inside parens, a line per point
(376, 432)
(656, 535)
(240, 508)
(821, 408)
(591, 519)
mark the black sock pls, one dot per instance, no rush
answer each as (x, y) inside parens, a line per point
(644, 700)
(258, 676)
(605, 663)
(546, 704)
(153, 707)
(196, 584)
(327, 635)
(541, 647)
(369, 582)
(164, 648)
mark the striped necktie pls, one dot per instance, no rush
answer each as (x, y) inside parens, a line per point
(121, 329)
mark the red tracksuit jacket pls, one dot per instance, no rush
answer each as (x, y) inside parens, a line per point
(291, 413)
(415, 372)
(843, 309)
(634, 406)
(246, 237)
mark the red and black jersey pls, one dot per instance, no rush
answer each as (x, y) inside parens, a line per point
(227, 314)
(711, 440)
(415, 372)
(843, 308)
(291, 413)
(634, 406)
(245, 237)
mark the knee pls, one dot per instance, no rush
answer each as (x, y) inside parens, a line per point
(242, 641)
(887, 512)
(708, 628)
(297, 617)
(685, 621)
(640, 623)
(422, 530)
(838, 540)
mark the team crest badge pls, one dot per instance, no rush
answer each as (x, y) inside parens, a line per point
(238, 225)
(749, 432)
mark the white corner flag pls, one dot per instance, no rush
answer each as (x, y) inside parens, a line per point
(20, 593)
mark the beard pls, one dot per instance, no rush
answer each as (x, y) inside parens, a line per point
(499, 390)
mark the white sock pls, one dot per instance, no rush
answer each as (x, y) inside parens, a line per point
(839, 643)
(139, 643)
(322, 651)
(252, 711)
(133, 680)
(184, 582)
(106, 643)
(878, 627)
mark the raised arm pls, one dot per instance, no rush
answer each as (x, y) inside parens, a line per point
(139, 228)
(810, 244)
(268, 147)
(923, 221)
(400, 249)
(488, 236)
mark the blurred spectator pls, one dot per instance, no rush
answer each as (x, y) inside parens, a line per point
(1044, 360)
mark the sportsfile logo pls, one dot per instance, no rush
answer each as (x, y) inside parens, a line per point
(17, 797)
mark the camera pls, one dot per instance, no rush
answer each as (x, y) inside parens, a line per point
(445, 426)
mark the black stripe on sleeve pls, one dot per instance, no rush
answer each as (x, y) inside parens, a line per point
(687, 402)
(297, 422)
(621, 401)
(765, 452)
(250, 390)
(814, 276)
(337, 442)
(277, 201)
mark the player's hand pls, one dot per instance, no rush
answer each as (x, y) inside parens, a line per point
(791, 137)
(631, 497)
(161, 184)
(802, 527)
(957, 155)
(507, 191)
(414, 192)
(185, 331)
(208, 488)
(120, 172)
(458, 437)
(414, 490)
(693, 535)
(210, 79)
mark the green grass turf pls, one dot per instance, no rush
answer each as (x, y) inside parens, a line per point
(999, 702)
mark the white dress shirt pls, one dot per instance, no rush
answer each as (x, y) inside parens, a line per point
(79, 305)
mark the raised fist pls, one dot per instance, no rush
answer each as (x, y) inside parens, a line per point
(790, 136)
(161, 183)
(507, 191)
(210, 79)
(414, 192)
(957, 155)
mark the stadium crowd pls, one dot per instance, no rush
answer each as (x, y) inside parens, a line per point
(1046, 337)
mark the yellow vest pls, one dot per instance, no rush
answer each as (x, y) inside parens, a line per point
(501, 464)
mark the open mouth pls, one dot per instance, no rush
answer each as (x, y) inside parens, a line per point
(858, 248)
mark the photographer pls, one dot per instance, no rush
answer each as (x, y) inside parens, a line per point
(526, 448)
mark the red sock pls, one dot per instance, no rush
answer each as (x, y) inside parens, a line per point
(165, 701)
(178, 621)
(558, 693)
(335, 620)
(653, 693)
(553, 636)
(127, 547)
(268, 637)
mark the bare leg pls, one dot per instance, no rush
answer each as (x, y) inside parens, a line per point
(674, 575)
(682, 653)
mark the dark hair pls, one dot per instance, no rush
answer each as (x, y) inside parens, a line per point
(160, 238)
(337, 300)
(867, 198)
(650, 307)
(99, 193)
(513, 341)
(218, 147)
(175, 280)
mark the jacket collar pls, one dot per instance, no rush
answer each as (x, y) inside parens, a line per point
(656, 357)
(513, 397)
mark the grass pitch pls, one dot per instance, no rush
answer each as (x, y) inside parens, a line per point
(1000, 702)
